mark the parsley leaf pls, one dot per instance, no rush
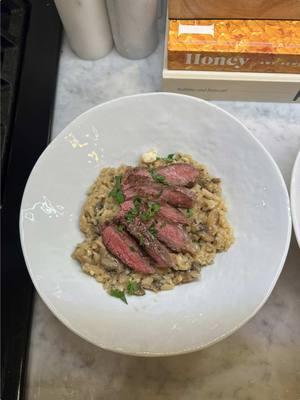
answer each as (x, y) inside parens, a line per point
(152, 210)
(120, 227)
(116, 192)
(189, 212)
(137, 202)
(153, 207)
(169, 158)
(132, 287)
(153, 230)
(119, 294)
(156, 177)
(133, 212)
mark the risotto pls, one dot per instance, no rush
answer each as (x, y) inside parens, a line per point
(185, 227)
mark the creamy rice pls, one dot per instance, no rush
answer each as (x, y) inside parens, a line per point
(208, 227)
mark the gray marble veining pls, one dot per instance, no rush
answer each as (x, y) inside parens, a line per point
(260, 361)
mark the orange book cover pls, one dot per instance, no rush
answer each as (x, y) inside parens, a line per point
(234, 45)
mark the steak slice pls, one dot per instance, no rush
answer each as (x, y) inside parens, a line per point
(129, 192)
(172, 214)
(124, 208)
(151, 190)
(166, 211)
(174, 195)
(174, 236)
(148, 190)
(134, 176)
(178, 196)
(122, 246)
(152, 246)
(179, 174)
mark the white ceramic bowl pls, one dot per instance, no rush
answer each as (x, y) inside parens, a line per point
(295, 197)
(191, 316)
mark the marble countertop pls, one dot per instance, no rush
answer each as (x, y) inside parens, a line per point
(260, 361)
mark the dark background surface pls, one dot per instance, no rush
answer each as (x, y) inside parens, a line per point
(31, 34)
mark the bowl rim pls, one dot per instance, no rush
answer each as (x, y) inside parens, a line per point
(58, 315)
(295, 216)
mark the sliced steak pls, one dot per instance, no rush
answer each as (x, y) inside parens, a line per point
(122, 246)
(166, 211)
(125, 208)
(129, 192)
(172, 214)
(179, 174)
(149, 190)
(152, 246)
(133, 179)
(178, 196)
(174, 236)
(134, 176)
(138, 182)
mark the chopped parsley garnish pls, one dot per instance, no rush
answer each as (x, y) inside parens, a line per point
(156, 177)
(133, 212)
(132, 248)
(153, 230)
(189, 212)
(120, 227)
(132, 288)
(169, 158)
(152, 210)
(137, 202)
(116, 192)
(119, 294)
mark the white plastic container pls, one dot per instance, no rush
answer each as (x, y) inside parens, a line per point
(134, 26)
(87, 26)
